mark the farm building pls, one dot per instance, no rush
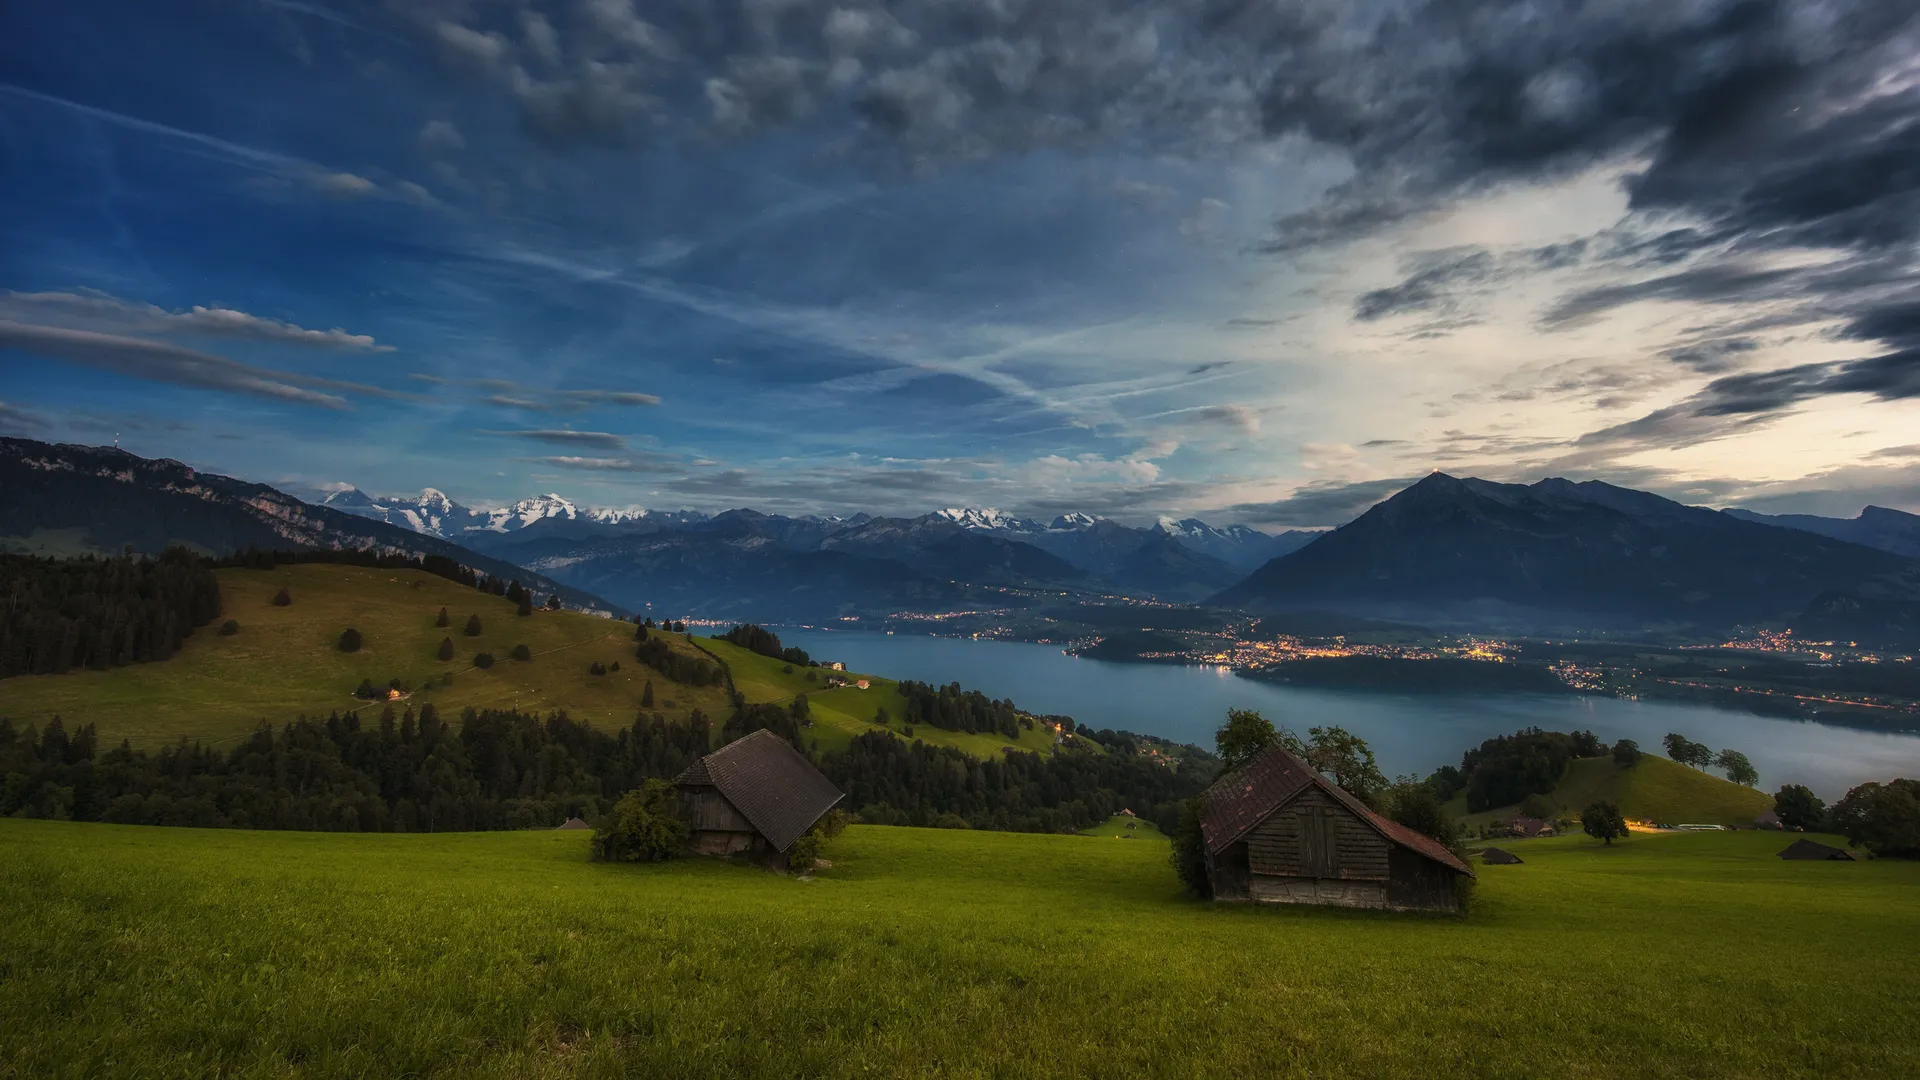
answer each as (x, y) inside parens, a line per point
(754, 796)
(573, 823)
(1496, 857)
(1810, 849)
(1278, 832)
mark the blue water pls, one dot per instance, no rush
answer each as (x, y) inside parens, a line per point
(1409, 733)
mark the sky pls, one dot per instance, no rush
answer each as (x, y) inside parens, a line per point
(1255, 262)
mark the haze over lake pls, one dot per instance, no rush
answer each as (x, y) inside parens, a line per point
(1410, 733)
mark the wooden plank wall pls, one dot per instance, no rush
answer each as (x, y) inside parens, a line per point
(706, 810)
(1275, 847)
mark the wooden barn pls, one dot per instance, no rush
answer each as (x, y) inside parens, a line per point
(1278, 832)
(754, 796)
(1815, 851)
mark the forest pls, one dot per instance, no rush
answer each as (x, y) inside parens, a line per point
(64, 614)
(759, 639)
(951, 708)
(408, 771)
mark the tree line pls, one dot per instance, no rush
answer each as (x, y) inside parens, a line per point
(757, 639)
(951, 708)
(66, 614)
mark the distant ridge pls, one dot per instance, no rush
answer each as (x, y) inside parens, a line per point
(1895, 531)
(1451, 551)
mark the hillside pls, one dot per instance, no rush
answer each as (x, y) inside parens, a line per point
(1655, 790)
(926, 952)
(283, 662)
(1560, 554)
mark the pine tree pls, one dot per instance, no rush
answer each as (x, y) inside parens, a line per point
(525, 608)
(443, 620)
(349, 640)
(446, 649)
(473, 626)
(521, 652)
(646, 695)
(282, 598)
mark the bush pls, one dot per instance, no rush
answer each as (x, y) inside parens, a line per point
(645, 826)
(443, 620)
(1626, 753)
(615, 666)
(1883, 818)
(349, 640)
(282, 598)
(1604, 822)
(229, 628)
(525, 608)
(1189, 854)
(522, 653)
(786, 669)
(1538, 806)
(804, 855)
(483, 661)
(596, 668)
(949, 820)
(445, 652)
(366, 690)
(473, 626)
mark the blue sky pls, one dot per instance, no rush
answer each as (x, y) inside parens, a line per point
(1258, 262)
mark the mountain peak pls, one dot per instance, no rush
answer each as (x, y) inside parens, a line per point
(985, 517)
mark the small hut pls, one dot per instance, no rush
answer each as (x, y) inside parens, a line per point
(754, 796)
(1497, 857)
(1278, 832)
(1816, 851)
(572, 823)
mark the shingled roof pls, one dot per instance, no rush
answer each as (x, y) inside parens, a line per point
(773, 785)
(1243, 798)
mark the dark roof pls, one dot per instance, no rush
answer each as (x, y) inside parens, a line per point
(1241, 799)
(768, 781)
(1500, 858)
(573, 823)
(1813, 849)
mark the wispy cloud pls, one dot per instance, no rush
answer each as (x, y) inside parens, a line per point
(597, 440)
(101, 311)
(164, 362)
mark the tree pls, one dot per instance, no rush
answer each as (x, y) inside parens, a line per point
(366, 690)
(645, 826)
(1883, 818)
(1415, 804)
(646, 695)
(445, 651)
(443, 620)
(1626, 753)
(553, 601)
(1538, 806)
(1737, 767)
(349, 640)
(640, 633)
(1686, 751)
(1346, 759)
(522, 653)
(804, 855)
(1798, 807)
(229, 628)
(473, 626)
(1604, 822)
(282, 598)
(525, 608)
(483, 661)
(1242, 737)
(1189, 854)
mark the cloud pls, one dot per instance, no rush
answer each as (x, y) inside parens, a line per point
(1321, 504)
(597, 440)
(1239, 417)
(13, 417)
(1432, 283)
(602, 464)
(163, 362)
(1711, 357)
(607, 397)
(101, 311)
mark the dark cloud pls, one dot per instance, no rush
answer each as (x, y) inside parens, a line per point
(1433, 280)
(1317, 505)
(1713, 283)
(604, 464)
(1711, 357)
(596, 440)
(14, 418)
(104, 312)
(160, 361)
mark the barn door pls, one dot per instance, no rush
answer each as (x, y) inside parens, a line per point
(1319, 849)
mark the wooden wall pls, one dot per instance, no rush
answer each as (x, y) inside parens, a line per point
(1314, 836)
(706, 810)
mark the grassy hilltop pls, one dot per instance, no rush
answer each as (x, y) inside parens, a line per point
(283, 663)
(1655, 789)
(141, 952)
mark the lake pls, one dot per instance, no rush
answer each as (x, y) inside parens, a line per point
(1409, 733)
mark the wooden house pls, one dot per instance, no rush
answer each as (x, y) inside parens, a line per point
(1278, 832)
(754, 796)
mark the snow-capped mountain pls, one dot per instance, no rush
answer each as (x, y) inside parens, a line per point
(1236, 545)
(988, 519)
(431, 512)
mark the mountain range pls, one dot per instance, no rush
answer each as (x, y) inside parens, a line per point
(1559, 555)
(1876, 527)
(67, 499)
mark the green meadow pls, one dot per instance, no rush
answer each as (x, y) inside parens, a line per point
(144, 952)
(1654, 789)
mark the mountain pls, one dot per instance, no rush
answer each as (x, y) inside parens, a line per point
(433, 513)
(1876, 527)
(938, 546)
(102, 499)
(1561, 555)
(1236, 545)
(1164, 563)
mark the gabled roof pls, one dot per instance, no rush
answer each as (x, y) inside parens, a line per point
(1243, 798)
(1814, 849)
(773, 785)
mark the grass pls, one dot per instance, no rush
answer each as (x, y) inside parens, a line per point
(284, 663)
(142, 952)
(1656, 789)
(839, 715)
(1123, 825)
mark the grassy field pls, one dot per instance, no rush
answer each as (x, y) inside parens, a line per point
(283, 662)
(139, 952)
(1654, 790)
(1120, 825)
(839, 715)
